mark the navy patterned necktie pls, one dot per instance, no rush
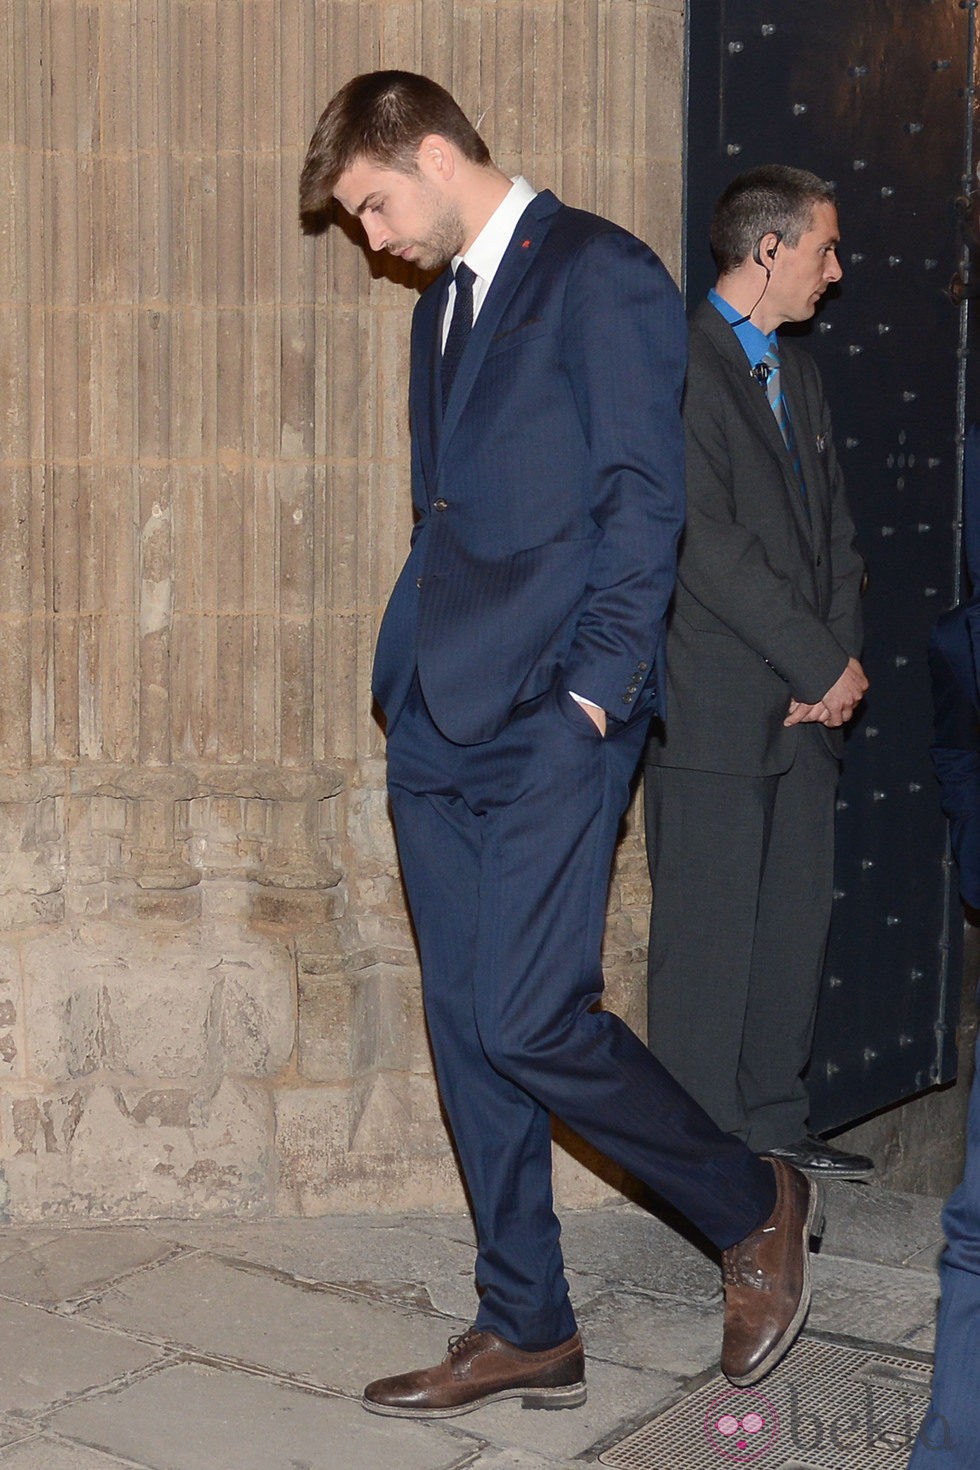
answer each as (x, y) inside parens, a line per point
(767, 373)
(459, 328)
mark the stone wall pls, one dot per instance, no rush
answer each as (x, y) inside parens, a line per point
(208, 989)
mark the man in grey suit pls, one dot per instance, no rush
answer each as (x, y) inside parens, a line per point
(763, 670)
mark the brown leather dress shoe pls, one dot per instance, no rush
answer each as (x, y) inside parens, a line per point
(480, 1369)
(767, 1281)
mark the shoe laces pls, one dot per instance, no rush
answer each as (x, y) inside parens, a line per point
(461, 1341)
(740, 1265)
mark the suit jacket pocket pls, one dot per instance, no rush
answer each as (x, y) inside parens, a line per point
(509, 338)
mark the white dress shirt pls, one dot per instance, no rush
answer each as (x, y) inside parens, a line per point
(487, 251)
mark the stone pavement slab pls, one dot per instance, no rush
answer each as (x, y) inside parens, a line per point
(78, 1262)
(653, 1332)
(868, 1223)
(10, 1430)
(328, 1339)
(627, 1246)
(235, 1345)
(196, 1417)
(871, 1302)
(44, 1358)
(409, 1262)
(13, 1241)
(44, 1453)
(494, 1459)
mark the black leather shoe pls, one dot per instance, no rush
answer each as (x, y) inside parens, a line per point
(819, 1159)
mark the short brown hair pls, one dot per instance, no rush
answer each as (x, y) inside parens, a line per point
(382, 116)
(770, 199)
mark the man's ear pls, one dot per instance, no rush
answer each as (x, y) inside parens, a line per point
(435, 157)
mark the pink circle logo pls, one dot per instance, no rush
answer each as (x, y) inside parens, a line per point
(741, 1425)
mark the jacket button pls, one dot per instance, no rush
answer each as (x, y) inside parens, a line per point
(627, 699)
(418, 581)
(643, 668)
(440, 504)
(819, 561)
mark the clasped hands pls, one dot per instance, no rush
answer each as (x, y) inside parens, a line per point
(837, 705)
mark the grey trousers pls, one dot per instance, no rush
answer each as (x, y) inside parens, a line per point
(742, 872)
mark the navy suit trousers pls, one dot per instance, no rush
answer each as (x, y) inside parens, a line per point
(506, 849)
(949, 1438)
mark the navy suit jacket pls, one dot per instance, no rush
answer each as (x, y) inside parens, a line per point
(954, 663)
(550, 497)
(954, 658)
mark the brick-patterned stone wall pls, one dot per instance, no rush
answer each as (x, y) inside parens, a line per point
(208, 989)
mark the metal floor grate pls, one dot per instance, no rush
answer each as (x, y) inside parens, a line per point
(829, 1406)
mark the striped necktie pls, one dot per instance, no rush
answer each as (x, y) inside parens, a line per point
(459, 328)
(767, 373)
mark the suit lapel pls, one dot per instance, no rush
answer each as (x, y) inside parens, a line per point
(526, 241)
(426, 405)
(759, 411)
(813, 468)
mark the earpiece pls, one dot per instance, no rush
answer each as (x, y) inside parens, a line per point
(771, 252)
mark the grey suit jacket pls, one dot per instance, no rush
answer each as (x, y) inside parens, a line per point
(767, 601)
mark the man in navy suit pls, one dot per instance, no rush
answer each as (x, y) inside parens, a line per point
(518, 665)
(950, 1433)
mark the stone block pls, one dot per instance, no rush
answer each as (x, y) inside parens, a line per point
(27, 910)
(11, 1007)
(33, 858)
(296, 910)
(140, 1153)
(398, 1113)
(626, 1248)
(312, 1144)
(123, 1002)
(388, 1028)
(126, 901)
(129, 1003)
(319, 1173)
(325, 1030)
(370, 826)
(257, 1008)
